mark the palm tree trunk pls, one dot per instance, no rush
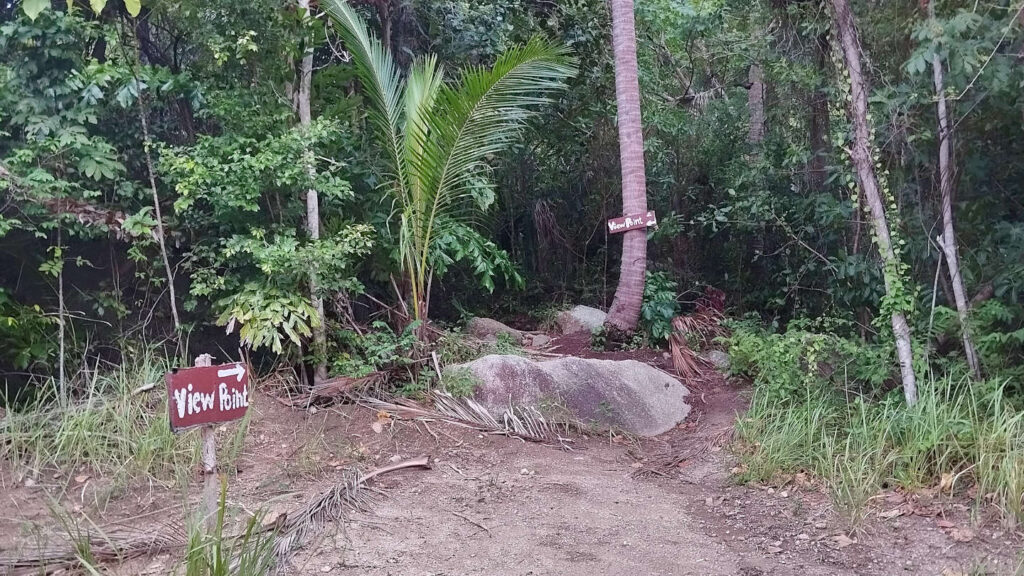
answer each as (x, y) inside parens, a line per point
(625, 309)
(947, 241)
(862, 157)
(302, 98)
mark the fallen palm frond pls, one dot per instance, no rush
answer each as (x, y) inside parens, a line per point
(91, 547)
(518, 421)
(335, 387)
(671, 458)
(292, 529)
(699, 328)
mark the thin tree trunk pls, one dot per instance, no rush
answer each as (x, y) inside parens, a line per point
(302, 98)
(817, 169)
(947, 241)
(62, 377)
(755, 105)
(862, 157)
(625, 309)
(140, 102)
(755, 138)
(157, 213)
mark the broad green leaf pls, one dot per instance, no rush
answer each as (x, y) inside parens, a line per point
(133, 6)
(33, 8)
(97, 5)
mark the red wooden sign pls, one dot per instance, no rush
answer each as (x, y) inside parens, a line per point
(625, 223)
(207, 395)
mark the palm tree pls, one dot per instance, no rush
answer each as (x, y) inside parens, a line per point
(625, 309)
(438, 136)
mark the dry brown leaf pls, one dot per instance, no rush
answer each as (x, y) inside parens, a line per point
(81, 478)
(961, 534)
(377, 426)
(941, 523)
(840, 541)
(946, 483)
(895, 512)
(894, 498)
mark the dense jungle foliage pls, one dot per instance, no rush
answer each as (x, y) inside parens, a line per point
(157, 161)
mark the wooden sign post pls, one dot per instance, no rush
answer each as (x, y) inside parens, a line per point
(203, 396)
(626, 223)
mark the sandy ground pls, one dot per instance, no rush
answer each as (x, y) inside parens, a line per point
(499, 506)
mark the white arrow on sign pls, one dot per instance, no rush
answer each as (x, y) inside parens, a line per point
(238, 371)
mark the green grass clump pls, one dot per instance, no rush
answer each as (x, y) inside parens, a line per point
(214, 553)
(824, 403)
(858, 448)
(105, 427)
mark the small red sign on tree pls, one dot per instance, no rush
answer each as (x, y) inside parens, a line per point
(626, 223)
(207, 395)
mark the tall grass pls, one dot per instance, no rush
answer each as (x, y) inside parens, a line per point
(250, 553)
(969, 433)
(107, 427)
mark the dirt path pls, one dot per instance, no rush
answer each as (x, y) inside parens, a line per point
(503, 507)
(499, 506)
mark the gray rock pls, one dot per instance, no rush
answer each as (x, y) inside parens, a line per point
(717, 358)
(580, 319)
(622, 394)
(538, 340)
(488, 329)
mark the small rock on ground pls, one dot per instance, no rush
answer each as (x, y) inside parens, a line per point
(580, 319)
(489, 329)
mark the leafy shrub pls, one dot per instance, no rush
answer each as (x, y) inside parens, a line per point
(999, 335)
(789, 364)
(660, 306)
(26, 334)
(460, 382)
(357, 355)
(599, 339)
(266, 316)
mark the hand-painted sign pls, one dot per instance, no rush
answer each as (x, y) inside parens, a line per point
(625, 223)
(207, 395)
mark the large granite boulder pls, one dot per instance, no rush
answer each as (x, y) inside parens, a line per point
(488, 329)
(580, 319)
(622, 394)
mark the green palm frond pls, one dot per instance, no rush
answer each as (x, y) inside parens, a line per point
(484, 112)
(425, 81)
(439, 137)
(380, 78)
